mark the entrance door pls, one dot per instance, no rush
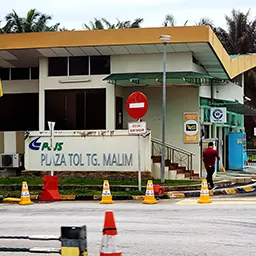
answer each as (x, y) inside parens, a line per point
(119, 113)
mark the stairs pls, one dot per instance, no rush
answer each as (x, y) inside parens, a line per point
(178, 162)
(172, 170)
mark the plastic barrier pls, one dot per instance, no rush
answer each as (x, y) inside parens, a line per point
(50, 189)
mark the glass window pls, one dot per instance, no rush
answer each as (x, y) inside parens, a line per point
(20, 74)
(4, 73)
(100, 65)
(78, 66)
(57, 66)
(35, 73)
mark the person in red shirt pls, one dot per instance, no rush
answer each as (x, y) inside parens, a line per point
(209, 157)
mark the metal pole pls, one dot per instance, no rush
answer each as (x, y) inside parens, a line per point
(52, 151)
(163, 119)
(139, 164)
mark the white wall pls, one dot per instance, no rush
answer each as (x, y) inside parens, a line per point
(151, 62)
(75, 82)
(228, 91)
(179, 100)
(20, 86)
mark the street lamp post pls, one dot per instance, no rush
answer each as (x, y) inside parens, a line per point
(165, 39)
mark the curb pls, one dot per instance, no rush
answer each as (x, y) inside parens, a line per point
(225, 191)
(167, 195)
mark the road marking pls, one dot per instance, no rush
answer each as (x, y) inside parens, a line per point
(221, 201)
(137, 105)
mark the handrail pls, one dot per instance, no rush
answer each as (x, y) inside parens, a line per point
(168, 145)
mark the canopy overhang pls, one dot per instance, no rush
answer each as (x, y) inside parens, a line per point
(25, 49)
(235, 106)
(156, 78)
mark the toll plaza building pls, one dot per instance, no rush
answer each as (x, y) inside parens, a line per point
(82, 79)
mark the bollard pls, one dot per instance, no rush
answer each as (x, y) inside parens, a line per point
(73, 241)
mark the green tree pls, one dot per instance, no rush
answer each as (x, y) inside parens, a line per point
(99, 24)
(240, 36)
(205, 21)
(33, 22)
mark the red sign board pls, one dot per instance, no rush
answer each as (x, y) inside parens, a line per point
(137, 105)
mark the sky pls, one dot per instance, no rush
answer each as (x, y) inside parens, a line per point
(73, 14)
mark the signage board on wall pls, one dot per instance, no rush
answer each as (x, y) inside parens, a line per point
(70, 153)
(191, 129)
(218, 115)
(137, 127)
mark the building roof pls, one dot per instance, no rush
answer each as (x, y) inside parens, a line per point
(17, 50)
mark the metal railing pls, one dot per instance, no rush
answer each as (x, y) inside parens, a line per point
(174, 154)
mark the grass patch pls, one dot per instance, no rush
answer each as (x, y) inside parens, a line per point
(83, 181)
(77, 192)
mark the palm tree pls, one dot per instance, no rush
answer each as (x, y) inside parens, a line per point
(205, 21)
(33, 22)
(98, 24)
(169, 21)
(240, 36)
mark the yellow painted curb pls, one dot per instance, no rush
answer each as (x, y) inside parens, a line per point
(175, 194)
(67, 197)
(248, 189)
(230, 191)
(96, 197)
(11, 200)
(34, 197)
(138, 197)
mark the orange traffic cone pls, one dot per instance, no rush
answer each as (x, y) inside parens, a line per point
(204, 194)
(106, 195)
(108, 244)
(150, 195)
(25, 196)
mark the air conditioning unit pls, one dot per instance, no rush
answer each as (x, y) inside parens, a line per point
(10, 161)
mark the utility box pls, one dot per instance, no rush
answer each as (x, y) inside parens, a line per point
(74, 241)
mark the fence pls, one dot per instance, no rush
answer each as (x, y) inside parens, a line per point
(73, 242)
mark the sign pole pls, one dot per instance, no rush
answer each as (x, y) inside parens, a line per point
(51, 128)
(139, 164)
(137, 106)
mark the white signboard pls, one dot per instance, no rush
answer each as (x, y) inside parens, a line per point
(218, 115)
(254, 131)
(79, 153)
(137, 127)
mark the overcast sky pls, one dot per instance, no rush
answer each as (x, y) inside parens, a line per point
(72, 14)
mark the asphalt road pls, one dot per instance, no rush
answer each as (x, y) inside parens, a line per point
(172, 227)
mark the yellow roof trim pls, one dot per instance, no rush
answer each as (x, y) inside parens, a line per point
(185, 34)
(233, 66)
(102, 37)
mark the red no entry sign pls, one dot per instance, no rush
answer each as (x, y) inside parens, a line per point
(137, 105)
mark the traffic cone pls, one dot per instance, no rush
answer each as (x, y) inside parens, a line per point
(150, 195)
(204, 194)
(106, 195)
(25, 196)
(108, 243)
